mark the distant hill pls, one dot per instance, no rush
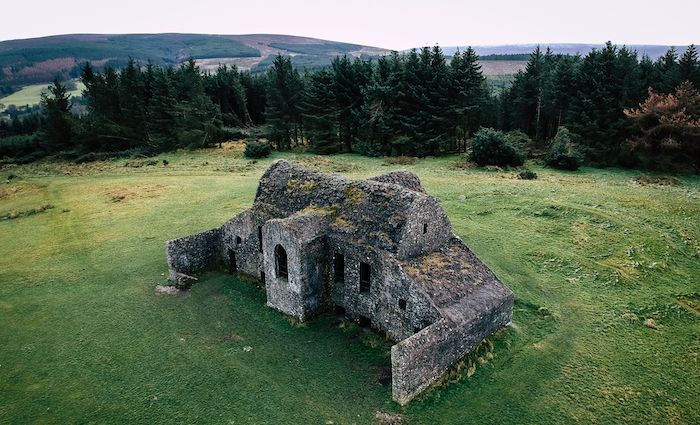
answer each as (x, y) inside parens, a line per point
(38, 60)
(654, 51)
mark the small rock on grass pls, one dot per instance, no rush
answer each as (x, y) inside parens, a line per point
(651, 324)
(384, 418)
(170, 290)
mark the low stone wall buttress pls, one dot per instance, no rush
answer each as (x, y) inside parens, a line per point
(418, 361)
(194, 253)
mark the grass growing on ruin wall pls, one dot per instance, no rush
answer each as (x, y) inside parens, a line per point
(591, 256)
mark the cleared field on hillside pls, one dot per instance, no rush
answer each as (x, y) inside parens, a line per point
(591, 256)
(502, 67)
(31, 95)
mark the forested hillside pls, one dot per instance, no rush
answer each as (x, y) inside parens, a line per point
(43, 59)
(607, 108)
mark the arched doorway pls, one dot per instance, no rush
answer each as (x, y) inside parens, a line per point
(281, 262)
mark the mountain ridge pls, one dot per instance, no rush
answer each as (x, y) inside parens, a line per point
(40, 59)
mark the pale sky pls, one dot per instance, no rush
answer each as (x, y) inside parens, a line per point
(394, 24)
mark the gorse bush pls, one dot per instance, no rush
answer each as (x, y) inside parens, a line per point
(257, 149)
(527, 175)
(491, 147)
(562, 154)
(520, 141)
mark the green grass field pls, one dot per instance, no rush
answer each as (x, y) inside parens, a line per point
(31, 95)
(590, 255)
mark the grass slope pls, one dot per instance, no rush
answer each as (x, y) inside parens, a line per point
(31, 95)
(590, 255)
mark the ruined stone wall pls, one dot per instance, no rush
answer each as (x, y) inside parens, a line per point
(426, 228)
(240, 236)
(392, 304)
(194, 253)
(406, 179)
(418, 361)
(300, 293)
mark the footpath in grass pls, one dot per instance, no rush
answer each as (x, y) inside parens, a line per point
(606, 325)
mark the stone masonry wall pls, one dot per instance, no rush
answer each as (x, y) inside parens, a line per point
(427, 228)
(392, 304)
(418, 361)
(193, 253)
(240, 236)
(300, 293)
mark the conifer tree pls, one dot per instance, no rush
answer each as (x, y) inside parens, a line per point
(667, 69)
(688, 66)
(468, 94)
(58, 126)
(320, 113)
(283, 98)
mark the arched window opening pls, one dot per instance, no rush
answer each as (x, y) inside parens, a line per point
(281, 262)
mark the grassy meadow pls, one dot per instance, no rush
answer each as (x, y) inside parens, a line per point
(605, 270)
(31, 95)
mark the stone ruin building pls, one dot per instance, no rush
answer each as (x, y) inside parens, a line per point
(380, 251)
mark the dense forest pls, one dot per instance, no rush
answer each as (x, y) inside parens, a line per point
(607, 108)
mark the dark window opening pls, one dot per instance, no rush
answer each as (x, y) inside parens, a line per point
(364, 277)
(281, 262)
(339, 310)
(260, 238)
(364, 321)
(339, 267)
(425, 228)
(262, 276)
(402, 304)
(232, 266)
(238, 240)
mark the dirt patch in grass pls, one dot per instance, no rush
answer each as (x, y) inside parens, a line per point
(463, 163)
(645, 180)
(328, 164)
(10, 191)
(16, 189)
(233, 148)
(135, 192)
(690, 302)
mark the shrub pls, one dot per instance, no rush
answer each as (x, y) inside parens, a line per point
(562, 154)
(527, 175)
(234, 133)
(24, 148)
(519, 140)
(256, 149)
(490, 147)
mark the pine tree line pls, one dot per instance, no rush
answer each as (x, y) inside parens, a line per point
(417, 103)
